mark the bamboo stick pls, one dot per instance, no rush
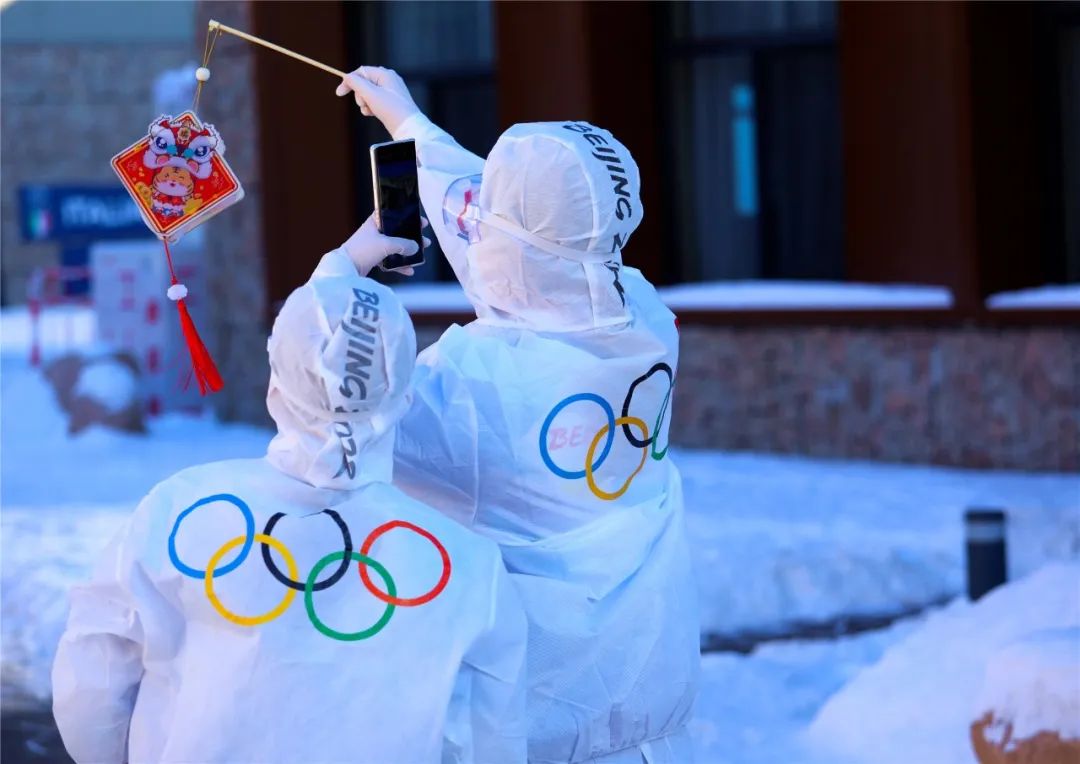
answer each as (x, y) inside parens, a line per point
(259, 41)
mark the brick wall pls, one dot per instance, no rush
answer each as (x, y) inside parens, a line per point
(984, 398)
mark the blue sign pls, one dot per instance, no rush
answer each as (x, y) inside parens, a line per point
(76, 216)
(85, 213)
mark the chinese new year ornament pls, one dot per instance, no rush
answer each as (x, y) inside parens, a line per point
(177, 175)
(179, 179)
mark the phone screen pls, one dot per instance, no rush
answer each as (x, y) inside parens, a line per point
(397, 197)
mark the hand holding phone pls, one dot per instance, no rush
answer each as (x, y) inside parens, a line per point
(397, 198)
(367, 248)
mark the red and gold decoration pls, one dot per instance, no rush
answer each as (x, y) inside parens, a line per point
(177, 175)
(179, 179)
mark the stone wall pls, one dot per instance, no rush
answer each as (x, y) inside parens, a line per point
(1001, 398)
(983, 398)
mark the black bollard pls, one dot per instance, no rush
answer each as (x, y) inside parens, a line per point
(984, 533)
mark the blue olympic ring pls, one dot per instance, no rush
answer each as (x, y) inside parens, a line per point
(249, 536)
(551, 418)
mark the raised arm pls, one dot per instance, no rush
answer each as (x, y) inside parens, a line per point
(443, 162)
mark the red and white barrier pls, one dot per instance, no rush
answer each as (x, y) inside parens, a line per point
(46, 289)
(134, 315)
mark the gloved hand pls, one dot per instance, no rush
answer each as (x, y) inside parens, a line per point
(367, 247)
(381, 93)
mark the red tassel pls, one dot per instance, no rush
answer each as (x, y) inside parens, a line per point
(206, 373)
(202, 364)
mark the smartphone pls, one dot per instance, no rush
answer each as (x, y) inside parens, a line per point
(397, 198)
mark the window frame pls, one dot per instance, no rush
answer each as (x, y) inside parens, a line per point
(755, 47)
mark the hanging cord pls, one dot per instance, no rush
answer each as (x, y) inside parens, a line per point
(202, 364)
(212, 35)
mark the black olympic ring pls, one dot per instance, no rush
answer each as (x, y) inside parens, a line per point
(299, 585)
(635, 441)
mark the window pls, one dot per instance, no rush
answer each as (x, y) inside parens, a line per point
(754, 178)
(445, 52)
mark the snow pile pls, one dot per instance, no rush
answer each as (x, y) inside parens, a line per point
(1034, 685)
(728, 295)
(1048, 297)
(752, 708)
(110, 383)
(174, 89)
(918, 702)
(796, 295)
(60, 328)
(45, 551)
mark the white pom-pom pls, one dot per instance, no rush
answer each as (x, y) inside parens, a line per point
(177, 292)
(202, 74)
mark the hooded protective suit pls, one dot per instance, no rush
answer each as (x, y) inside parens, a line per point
(339, 620)
(543, 425)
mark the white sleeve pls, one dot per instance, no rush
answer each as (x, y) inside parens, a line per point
(98, 664)
(496, 661)
(442, 161)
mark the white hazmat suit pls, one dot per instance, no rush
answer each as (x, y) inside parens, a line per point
(544, 423)
(341, 621)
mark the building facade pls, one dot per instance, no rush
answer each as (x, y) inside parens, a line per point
(76, 84)
(788, 142)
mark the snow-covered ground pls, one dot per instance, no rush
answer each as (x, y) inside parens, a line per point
(778, 542)
(782, 540)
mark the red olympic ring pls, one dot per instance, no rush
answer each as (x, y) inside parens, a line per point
(404, 601)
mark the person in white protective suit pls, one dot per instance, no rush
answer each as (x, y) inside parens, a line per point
(543, 424)
(298, 608)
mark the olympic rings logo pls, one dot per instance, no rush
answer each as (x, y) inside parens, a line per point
(646, 442)
(310, 585)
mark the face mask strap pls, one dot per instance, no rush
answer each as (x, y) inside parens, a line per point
(550, 247)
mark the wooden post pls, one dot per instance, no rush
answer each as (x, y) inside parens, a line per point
(909, 180)
(942, 154)
(305, 146)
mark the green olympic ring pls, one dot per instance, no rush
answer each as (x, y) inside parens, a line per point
(355, 636)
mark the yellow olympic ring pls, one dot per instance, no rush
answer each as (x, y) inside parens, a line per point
(597, 492)
(254, 620)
